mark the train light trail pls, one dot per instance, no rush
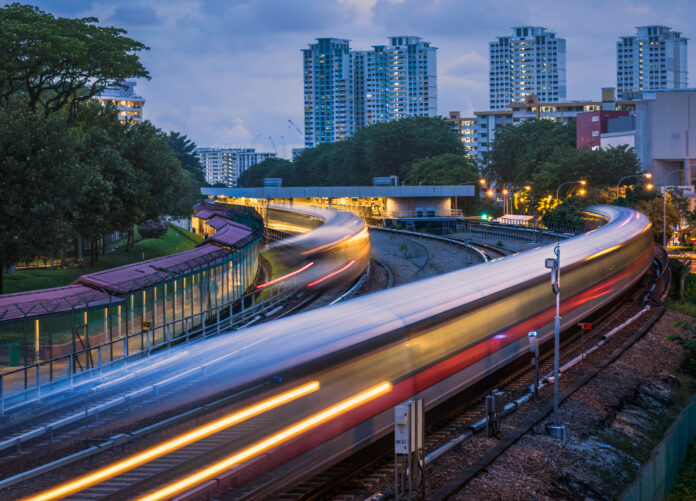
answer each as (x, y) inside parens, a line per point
(288, 275)
(268, 443)
(175, 443)
(332, 274)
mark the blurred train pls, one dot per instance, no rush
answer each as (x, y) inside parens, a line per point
(344, 367)
(329, 248)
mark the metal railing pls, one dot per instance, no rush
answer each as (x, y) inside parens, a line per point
(32, 382)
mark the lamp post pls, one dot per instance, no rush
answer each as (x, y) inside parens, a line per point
(646, 175)
(664, 207)
(505, 194)
(529, 190)
(554, 264)
(582, 182)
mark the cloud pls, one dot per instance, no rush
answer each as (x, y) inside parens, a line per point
(230, 71)
(135, 15)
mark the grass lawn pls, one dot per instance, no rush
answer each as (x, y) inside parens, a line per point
(175, 240)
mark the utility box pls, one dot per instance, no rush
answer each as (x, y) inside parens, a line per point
(409, 459)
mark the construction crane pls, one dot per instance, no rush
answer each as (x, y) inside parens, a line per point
(274, 146)
(296, 127)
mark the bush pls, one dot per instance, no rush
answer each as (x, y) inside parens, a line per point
(152, 229)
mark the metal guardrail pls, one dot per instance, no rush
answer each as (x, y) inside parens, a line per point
(33, 382)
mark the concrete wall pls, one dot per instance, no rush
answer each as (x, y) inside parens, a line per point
(666, 129)
(618, 139)
(411, 204)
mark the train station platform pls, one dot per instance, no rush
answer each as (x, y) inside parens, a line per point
(374, 203)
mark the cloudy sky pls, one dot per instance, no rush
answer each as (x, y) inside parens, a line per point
(229, 72)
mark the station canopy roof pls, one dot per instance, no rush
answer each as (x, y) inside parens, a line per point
(344, 191)
(50, 301)
(136, 276)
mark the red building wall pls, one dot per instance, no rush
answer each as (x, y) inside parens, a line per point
(591, 124)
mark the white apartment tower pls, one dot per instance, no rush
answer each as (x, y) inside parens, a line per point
(653, 59)
(225, 165)
(346, 90)
(530, 62)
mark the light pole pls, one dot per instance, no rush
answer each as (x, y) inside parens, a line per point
(529, 190)
(664, 207)
(505, 194)
(582, 182)
(554, 264)
(646, 175)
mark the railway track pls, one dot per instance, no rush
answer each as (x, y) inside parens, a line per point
(190, 459)
(369, 474)
(83, 437)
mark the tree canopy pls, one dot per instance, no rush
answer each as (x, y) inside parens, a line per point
(70, 169)
(518, 152)
(383, 149)
(56, 62)
(447, 168)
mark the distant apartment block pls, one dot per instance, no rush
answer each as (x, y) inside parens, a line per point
(465, 128)
(346, 90)
(532, 61)
(487, 122)
(225, 165)
(128, 104)
(653, 59)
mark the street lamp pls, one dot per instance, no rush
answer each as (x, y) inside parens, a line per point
(646, 175)
(664, 206)
(505, 194)
(529, 189)
(581, 182)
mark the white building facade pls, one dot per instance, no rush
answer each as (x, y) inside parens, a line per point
(346, 90)
(225, 165)
(532, 61)
(653, 59)
(128, 104)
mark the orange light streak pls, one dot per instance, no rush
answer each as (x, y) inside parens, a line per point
(333, 273)
(293, 273)
(175, 443)
(266, 444)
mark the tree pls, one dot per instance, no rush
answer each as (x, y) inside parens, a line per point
(383, 149)
(447, 168)
(601, 168)
(56, 62)
(517, 152)
(165, 188)
(38, 184)
(271, 167)
(184, 149)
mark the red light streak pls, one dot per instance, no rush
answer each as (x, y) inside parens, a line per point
(276, 280)
(332, 274)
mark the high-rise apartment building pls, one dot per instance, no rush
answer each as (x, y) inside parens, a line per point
(346, 90)
(127, 103)
(328, 91)
(653, 59)
(225, 165)
(530, 62)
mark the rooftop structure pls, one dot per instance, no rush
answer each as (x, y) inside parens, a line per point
(124, 98)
